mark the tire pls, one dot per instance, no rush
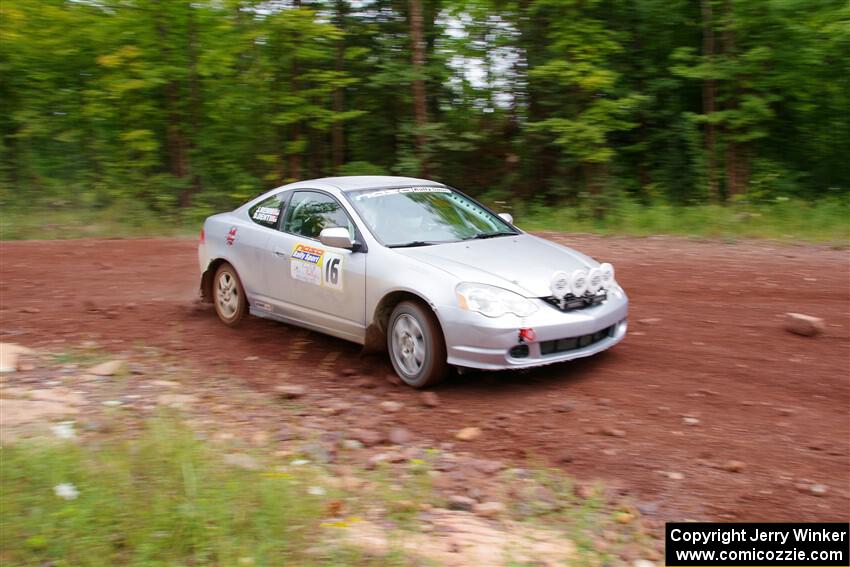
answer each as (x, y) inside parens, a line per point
(416, 345)
(228, 296)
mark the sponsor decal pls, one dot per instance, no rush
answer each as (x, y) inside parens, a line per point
(266, 214)
(306, 264)
(316, 266)
(401, 190)
(231, 236)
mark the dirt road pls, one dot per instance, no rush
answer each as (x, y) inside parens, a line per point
(706, 376)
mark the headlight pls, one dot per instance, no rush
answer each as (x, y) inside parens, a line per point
(607, 271)
(578, 283)
(493, 301)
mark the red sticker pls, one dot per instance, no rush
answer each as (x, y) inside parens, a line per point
(231, 236)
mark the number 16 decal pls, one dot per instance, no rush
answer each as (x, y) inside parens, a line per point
(333, 271)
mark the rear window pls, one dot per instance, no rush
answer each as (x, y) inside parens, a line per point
(267, 212)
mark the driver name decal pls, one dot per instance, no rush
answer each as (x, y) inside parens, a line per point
(266, 214)
(315, 266)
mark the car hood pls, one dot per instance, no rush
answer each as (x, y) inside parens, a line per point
(523, 263)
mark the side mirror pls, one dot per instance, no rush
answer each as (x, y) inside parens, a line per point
(507, 217)
(336, 237)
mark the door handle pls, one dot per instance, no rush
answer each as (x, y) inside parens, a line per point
(281, 252)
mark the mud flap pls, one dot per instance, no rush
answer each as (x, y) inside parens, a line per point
(375, 341)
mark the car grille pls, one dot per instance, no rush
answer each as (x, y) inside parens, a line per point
(571, 302)
(574, 343)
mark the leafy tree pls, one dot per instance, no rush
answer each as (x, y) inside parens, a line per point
(178, 105)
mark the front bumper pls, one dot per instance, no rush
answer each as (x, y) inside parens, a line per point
(476, 341)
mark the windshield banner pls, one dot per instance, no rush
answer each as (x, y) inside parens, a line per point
(385, 192)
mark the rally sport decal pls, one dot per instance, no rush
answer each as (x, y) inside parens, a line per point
(316, 266)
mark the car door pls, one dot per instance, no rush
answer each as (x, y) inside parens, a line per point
(250, 246)
(311, 284)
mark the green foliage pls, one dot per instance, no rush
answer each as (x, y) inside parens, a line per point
(201, 105)
(781, 219)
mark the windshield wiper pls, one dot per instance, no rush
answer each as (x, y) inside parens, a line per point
(412, 244)
(491, 234)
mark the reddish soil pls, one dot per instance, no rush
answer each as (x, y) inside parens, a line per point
(706, 342)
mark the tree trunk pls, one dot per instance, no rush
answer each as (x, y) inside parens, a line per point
(175, 139)
(734, 150)
(731, 169)
(338, 129)
(420, 108)
(709, 97)
(295, 132)
(195, 112)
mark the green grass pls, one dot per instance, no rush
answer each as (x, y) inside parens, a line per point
(788, 220)
(825, 221)
(62, 223)
(158, 496)
(162, 498)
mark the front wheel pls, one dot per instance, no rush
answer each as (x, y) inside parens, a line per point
(228, 296)
(416, 345)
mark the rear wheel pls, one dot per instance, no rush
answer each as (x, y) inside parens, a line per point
(416, 345)
(228, 296)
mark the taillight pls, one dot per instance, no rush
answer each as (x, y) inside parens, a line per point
(202, 236)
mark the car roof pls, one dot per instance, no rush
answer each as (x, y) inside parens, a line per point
(357, 182)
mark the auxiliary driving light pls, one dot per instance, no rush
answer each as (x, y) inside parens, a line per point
(607, 274)
(594, 280)
(560, 284)
(578, 282)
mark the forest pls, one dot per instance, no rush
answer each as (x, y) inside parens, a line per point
(196, 106)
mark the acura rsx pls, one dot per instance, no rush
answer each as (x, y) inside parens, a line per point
(411, 266)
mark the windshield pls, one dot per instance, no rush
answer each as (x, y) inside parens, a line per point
(422, 216)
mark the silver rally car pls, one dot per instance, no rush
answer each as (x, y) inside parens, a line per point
(413, 267)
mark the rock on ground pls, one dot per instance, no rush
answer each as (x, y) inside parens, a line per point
(804, 325)
(9, 355)
(468, 434)
(109, 368)
(290, 391)
(391, 407)
(367, 436)
(429, 399)
(462, 539)
(21, 412)
(460, 502)
(399, 436)
(489, 509)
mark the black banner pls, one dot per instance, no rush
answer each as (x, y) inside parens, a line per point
(759, 544)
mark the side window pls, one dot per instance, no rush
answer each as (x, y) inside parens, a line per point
(309, 213)
(265, 213)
